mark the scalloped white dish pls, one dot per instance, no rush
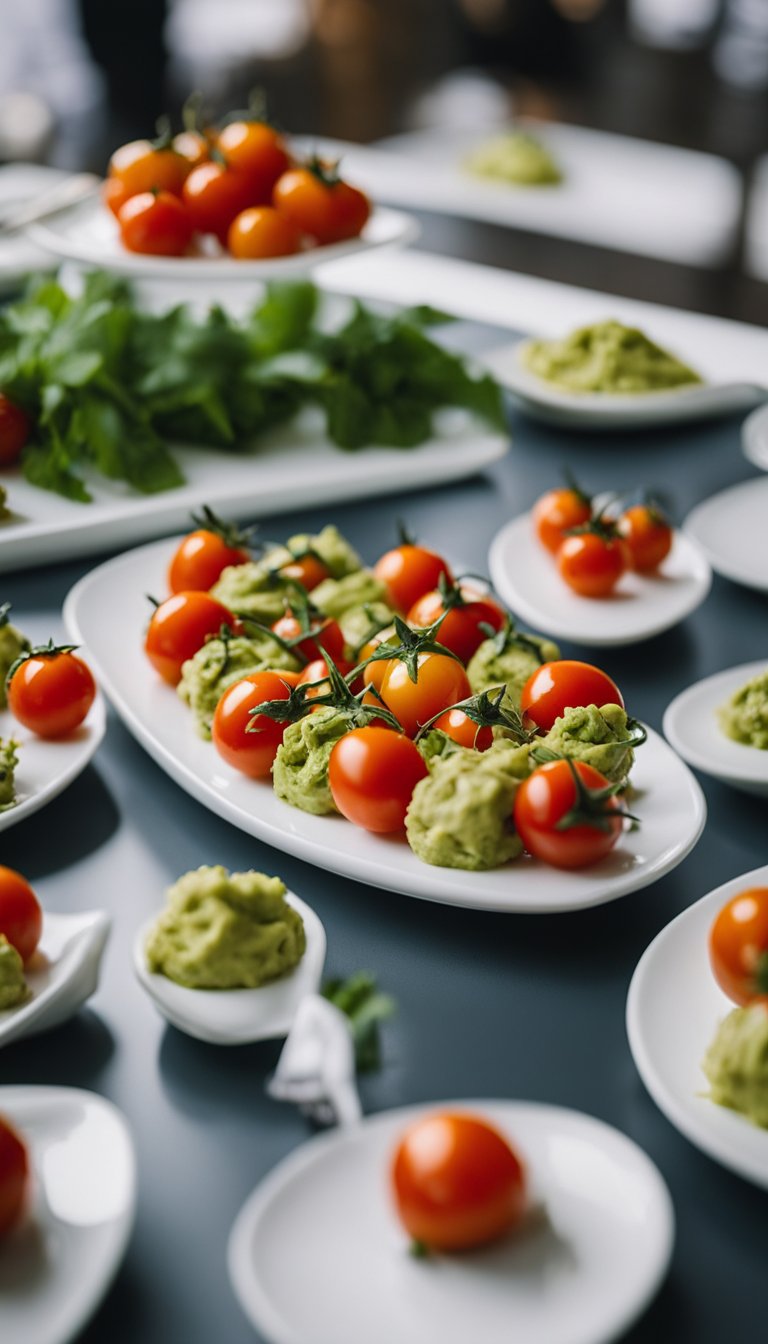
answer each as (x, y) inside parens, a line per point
(674, 1007)
(730, 529)
(691, 726)
(106, 611)
(57, 1265)
(47, 767)
(580, 1270)
(525, 575)
(61, 976)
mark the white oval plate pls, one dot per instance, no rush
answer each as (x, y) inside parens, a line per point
(108, 610)
(754, 437)
(580, 1272)
(730, 529)
(595, 410)
(691, 726)
(89, 234)
(674, 1007)
(237, 1016)
(56, 1267)
(45, 767)
(525, 575)
(62, 975)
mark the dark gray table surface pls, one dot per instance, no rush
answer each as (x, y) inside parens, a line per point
(489, 1005)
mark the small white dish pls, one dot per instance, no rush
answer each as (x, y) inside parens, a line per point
(674, 1007)
(62, 975)
(583, 1268)
(692, 727)
(20, 183)
(525, 575)
(754, 438)
(730, 529)
(56, 1267)
(237, 1016)
(89, 234)
(599, 410)
(47, 767)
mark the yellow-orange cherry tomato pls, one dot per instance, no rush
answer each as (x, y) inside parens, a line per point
(647, 534)
(556, 512)
(457, 725)
(440, 682)
(141, 166)
(214, 195)
(258, 151)
(261, 231)
(409, 572)
(738, 946)
(321, 205)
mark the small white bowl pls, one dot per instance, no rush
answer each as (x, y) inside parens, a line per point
(691, 726)
(730, 529)
(237, 1016)
(62, 975)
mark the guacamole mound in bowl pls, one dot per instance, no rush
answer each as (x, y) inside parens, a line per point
(13, 986)
(12, 644)
(9, 759)
(736, 1063)
(460, 815)
(745, 716)
(606, 357)
(514, 157)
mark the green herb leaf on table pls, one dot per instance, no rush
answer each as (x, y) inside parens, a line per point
(360, 999)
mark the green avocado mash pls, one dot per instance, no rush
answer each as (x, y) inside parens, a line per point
(745, 717)
(606, 357)
(517, 158)
(359, 624)
(335, 597)
(13, 986)
(9, 759)
(219, 663)
(254, 590)
(226, 931)
(460, 815)
(5, 512)
(300, 768)
(736, 1063)
(12, 645)
(510, 665)
(599, 737)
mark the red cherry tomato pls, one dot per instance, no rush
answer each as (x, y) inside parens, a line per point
(258, 152)
(180, 626)
(543, 801)
(738, 946)
(14, 1177)
(114, 194)
(157, 225)
(14, 431)
(193, 147)
(409, 572)
(565, 684)
(200, 560)
(556, 512)
(245, 739)
(214, 195)
(460, 631)
(320, 204)
(592, 564)
(462, 729)
(372, 773)
(440, 682)
(325, 634)
(308, 570)
(51, 693)
(315, 674)
(21, 919)
(647, 534)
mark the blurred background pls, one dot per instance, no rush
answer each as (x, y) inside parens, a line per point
(78, 77)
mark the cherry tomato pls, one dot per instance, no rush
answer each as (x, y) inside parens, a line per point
(556, 512)
(738, 945)
(14, 1177)
(261, 231)
(460, 631)
(592, 564)
(156, 225)
(440, 683)
(214, 195)
(141, 166)
(565, 684)
(544, 799)
(114, 194)
(320, 204)
(308, 570)
(457, 1182)
(647, 534)
(372, 773)
(317, 672)
(373, 674)
(14, 431)
(200, 560)
(409, 572)
(21, 919)
(462, 729)
(51, 693)
(246, 740)
(326, 634)
(180, 626)
(257, 151)
(193, 147)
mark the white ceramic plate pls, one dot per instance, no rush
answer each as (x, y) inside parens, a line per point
(57, 1265)
(691, 726)
(89, 234)
(525, 575)
(730, 527)
(46, 768)
(754, 437)
(19, 183)
(107, 609)
(236, 1016)
(294, 467)
(673, 1010)
(594, 410)
(62, 975)
(580, 1272)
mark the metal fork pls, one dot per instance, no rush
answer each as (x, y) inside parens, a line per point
(59, 197)
(316, 1069)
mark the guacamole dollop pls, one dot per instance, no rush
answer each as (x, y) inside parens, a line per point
(515, 157)
(224, 930)
(460, 815)
(745, 717)
(300, 768)
(13, 986)
(219, 663)
(253, 589)
(12, 644)
(736, 1063)
(8, 761)
(606, 357)
(335, 597)
(509, 662)
(599, 737)
(361, 623)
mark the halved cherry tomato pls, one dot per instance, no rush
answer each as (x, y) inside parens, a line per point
(543, 801)
(256, 150)
(462, 729)
(565, 684)
(51, 692)
(457, 1182)
(156, 224)
(245, 739)
(460, 631)
(200, 560)
(308, 570)
(321, 204)
(180, 626)
(372, 773)
(556, 512)
(325, 634)
(261, 231)
(409, 572)
(647, 534)
(21, 919)
(440, 682)
(14, 1177)
(738, 945)
(14, 431)
(214, 195)
(141, 166)
(592, 564)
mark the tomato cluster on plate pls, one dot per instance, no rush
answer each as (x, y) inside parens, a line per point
(594, 548)
(238, 184)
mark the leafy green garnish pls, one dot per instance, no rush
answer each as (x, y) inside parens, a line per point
(366, 1007)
